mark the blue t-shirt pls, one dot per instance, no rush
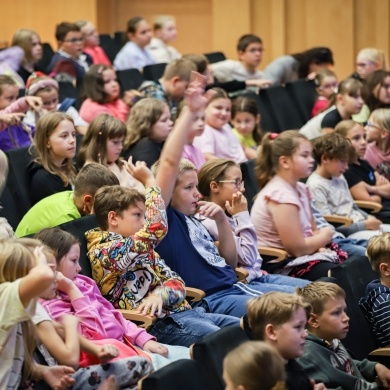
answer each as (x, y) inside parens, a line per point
(207, 271)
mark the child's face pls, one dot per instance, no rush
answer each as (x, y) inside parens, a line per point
(114, 149)
(334, 167)
(382, 91)
(162, 128)
(51, 291)
(328, 86)
(333, 322)
(373, 131)
(186, 195)
(289, 338)
(73, 44)
(142, 35)
(302, 161)
(351, 104)
(90, 34)
(218, 112)
(36, 48)
(111, 85)
(62, 142)
(364, 66)
(245, 122)
(132, 220)
(49, 99)
(252, 55)
(357, 136)
(8, 96)
(167, 32)
(226, 190)
(69, 264)
(197, 126)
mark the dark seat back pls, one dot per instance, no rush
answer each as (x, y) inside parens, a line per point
(304, 95)
(215, 56)
(47, 55)
(129, 79)
(154, 72)
(250, 181)
(211, 351)
(110, 46)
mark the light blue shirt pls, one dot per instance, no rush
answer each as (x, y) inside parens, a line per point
(132, 56)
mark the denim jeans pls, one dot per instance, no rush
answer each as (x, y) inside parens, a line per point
(188, 327)
(351, 246)
(272, 282)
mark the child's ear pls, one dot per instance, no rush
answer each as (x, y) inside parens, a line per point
(240, 53)
(313, 321)
(257, 120)
(214, 187)
(384, 269)
(112, 218)
(270, 333)
(87, 204)
(174, 80)
(284, 162)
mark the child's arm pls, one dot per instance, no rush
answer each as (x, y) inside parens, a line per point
(66, 351)
(227, 245)
(250, 153)
(38, 279)
(57, 377)
(383, 375)
(104, 353)
(170, 156)
(363, 191)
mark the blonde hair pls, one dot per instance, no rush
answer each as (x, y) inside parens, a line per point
(44, 129)
(184, 166)
(317, 294)
(23, 39)
(160, 20)
(3, 170)
(144, 114)
(94, 145)
(378, 249)
(272, 148)
(255, 365)
(16, 261)
(181, 68)
(274, 308)
(374, 55)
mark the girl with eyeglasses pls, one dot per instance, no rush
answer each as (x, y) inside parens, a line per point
(220, 181)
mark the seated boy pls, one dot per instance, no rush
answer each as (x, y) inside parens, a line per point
(66, 206)
(130, 274)
(250, 51)
(325, 358)
(280, 319)
(171, 87)
(376, 304)
(330, 189)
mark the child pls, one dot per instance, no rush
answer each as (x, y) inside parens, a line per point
(330, 189)
(99, 320)
(254, 365)
(325, 358)
(369, 60)
(171, 86)
(140, 279)
(91, 43)
(326, 85)
(250, 52)
(147, 129)
(17, 135)
(378, 141)
(363, 181)
(134, 54)
(52, 170)
(103, 144)
(47, 89)
(203, 266)
(283, 161)
(246, 122)
(165, 32)
(25, 275)
(220, 181)
(218, 139)
(348, 101)
(102, 95)
(66, 206)
(376, 301)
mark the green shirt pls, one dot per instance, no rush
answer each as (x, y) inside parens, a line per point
(49, 212)
(245, 140)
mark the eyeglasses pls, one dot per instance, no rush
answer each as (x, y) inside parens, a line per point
(74, 40)
(253, 51)
(370, 124)
(237, 182)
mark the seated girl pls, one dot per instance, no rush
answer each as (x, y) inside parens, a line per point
(54, 147)
(282, 213)
(103, 144)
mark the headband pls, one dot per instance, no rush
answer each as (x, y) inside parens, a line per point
(272, 136)
(33, 89)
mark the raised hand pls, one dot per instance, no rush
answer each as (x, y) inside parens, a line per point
(195, 97)
(141, 172)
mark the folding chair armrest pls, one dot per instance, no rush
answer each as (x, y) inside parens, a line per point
(277, 254)
(337, 220)
(371, 207)
(380, 352)
(241, 273)
(194, 294)
(141, 320)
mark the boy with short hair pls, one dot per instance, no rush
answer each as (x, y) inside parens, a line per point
(66, 206)
(330, 189)
(249, 51)
(325, 358)
(376, 303)
(127, 270)
(70, 57)
(279, 319)
(172, 85)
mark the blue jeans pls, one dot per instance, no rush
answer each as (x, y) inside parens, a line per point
(188, 327)
(351, 246)
(272, 282)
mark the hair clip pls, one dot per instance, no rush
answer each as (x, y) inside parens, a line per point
(100, 69)
(272, 136)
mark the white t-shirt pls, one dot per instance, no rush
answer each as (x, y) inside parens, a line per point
(229, 70)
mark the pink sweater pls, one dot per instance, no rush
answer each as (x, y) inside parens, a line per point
(98, 318)
(89, 110)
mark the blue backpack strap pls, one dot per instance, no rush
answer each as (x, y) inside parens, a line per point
(66, 103)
